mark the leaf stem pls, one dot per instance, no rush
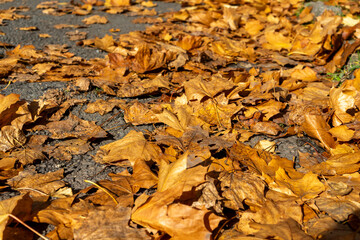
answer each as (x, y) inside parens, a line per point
(27, 226)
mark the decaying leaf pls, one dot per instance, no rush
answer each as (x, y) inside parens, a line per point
(132, 147)
(109, 223)
(19, 206)
(75, 127)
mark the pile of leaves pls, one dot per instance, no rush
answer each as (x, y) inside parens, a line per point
(224, 71)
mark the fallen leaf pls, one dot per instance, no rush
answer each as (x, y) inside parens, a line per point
(108, 222)
(307, 187)
(75, 127)
(242, 188)
(130, 148)
(95, 19)
(19, 206)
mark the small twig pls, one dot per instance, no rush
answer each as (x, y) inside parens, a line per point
(6, 86)
(110, 118)
(103, 189)
(222, 226)
(31, 189)
(27, 226)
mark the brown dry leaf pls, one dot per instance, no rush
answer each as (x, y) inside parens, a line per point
(147, 59)
(266, 145)
(180, 221)
(65, 215)
(19, 206)
(259, 161)
(63, 25)
(106, 43)
(8, 106)
(75, 127)
(28, 28)
(42, 68)
(326, 227)
(130, 148)
(76, 35)
(209, 198)
(306, 187)
(233, 234)
(231, 16)
(44, 35)
(315, 126)
(269, 128)
(253, 27)
(342, 100)
(148, 4)
(270, 212)
(288, 229)
(122, 190)
(177, 173)
(11, 137)
(242, 188)
(138, 113)
(172, 120)
(338, 209)
(28, 155)
(104, 106)
(117, 3)
(307, 160)
(66, 149)
(338, 164)
(109, 223)
(26, 52)
(276, 41)
(143, 176)
(95, 19)
(39, 186)
(305, 74)
(189, 42)
(269, 109)
(198, 88)
(342, 133)
(215, 113)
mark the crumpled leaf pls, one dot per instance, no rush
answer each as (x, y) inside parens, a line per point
(11, 137)
(305, 74)
(95, 19)
(19, 206)
(42, 185)
(242, 188)
(198, 88)
(147, 59)
(176, 173)
(130, 148)
(103, 106)
(7, 107)
(270, 212)
(339, 164)
(316, 127)
(117, 3)
(341, 100)
(277, 41)
(75, 127)
(287, 229)
(180, 221)
(342, 133)
(109, 223)
(307, 187)
(338, 209)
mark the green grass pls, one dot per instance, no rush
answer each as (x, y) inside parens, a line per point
(343, 74)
